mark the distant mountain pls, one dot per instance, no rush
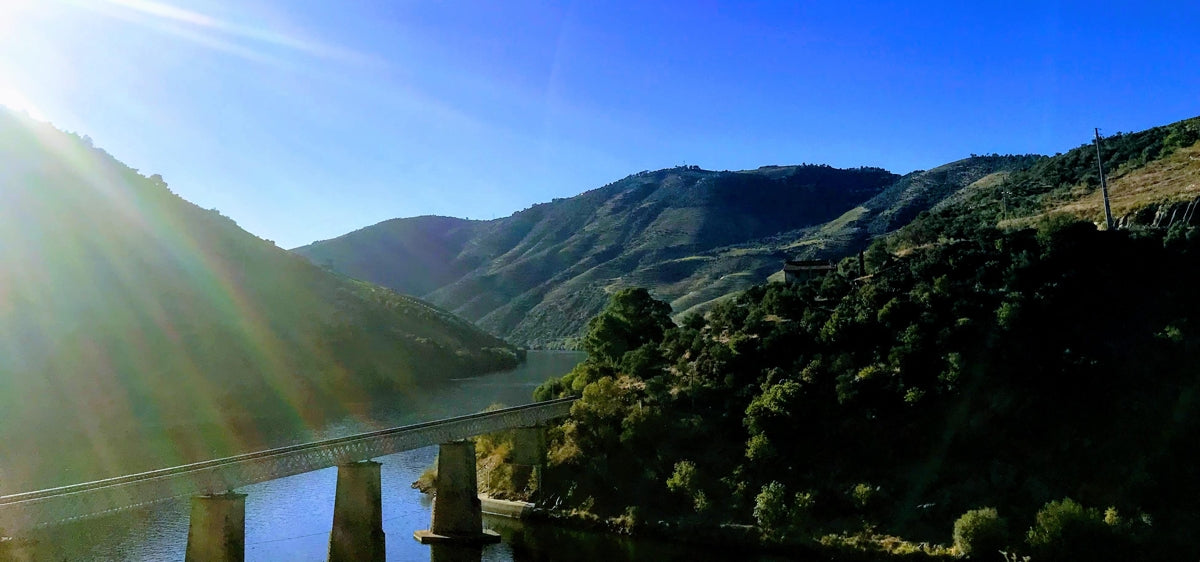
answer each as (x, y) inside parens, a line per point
(138, 330)
(537, 276)
(696, 237)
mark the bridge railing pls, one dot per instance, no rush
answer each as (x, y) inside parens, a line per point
(54, 505)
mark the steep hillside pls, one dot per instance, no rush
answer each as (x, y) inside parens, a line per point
(898, 205)
(138, 330)
(1152, 175)
(696, 237)
(415, 256)
(537, 276)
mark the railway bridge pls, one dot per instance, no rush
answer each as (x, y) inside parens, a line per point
(217, 526)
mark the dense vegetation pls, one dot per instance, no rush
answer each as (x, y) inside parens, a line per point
(989, 383)
(138, 330)
(1006, 371)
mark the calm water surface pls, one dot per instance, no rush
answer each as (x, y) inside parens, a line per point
(290, 518)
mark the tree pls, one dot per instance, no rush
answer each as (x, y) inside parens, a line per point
(633, 318)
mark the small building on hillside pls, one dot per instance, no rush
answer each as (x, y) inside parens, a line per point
(796, 271)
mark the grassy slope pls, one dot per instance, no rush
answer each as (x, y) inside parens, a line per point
(1161, 183)
(1152, 175)
(138, 330)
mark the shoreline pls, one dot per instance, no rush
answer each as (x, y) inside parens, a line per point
(724, 536)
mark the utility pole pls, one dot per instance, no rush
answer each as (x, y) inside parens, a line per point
(1108, 220)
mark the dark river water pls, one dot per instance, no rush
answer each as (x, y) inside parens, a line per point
(290, 518)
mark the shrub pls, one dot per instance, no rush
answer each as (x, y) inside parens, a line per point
(864, 495)
(1066, 530)
(684, 478)
(980, 532)
(770, 507)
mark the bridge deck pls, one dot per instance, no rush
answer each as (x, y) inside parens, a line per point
(53, 505)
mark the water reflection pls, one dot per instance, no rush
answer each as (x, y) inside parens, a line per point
(290, 518)
(455, 553)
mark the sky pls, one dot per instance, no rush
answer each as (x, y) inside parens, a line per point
(306, 119)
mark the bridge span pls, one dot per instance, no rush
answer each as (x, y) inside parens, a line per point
(216, 478)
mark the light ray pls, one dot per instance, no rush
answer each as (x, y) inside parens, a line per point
(218, 33)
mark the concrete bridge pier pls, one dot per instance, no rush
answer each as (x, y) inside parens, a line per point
(217, 529)
(357, 515)
(457, 517)
(529, 456)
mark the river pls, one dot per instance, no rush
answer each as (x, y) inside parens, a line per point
(290, 518)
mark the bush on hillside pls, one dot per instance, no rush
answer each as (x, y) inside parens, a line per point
(1066, 530)
(980, 533)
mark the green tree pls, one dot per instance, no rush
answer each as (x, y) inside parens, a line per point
(770, 507)
(632, 319)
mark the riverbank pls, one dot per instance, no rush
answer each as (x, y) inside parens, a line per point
(862, 546)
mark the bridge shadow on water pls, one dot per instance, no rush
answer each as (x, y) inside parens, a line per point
(453, 553)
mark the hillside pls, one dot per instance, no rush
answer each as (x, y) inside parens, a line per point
(694, 237)
(537, 276)
(1153, 175)
(896, 206)
(1005, 365)
(140, 331)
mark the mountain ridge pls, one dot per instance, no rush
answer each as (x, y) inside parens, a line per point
(538, 275)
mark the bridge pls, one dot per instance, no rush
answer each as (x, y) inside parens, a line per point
(217, 526)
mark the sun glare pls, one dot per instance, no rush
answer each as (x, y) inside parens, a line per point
(12, 10)
(12, 99)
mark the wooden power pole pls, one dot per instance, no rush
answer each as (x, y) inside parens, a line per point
(1108, 220)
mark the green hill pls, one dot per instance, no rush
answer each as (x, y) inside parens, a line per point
(696, 238)
(1001, 352)
(536, 277)
(138, 330)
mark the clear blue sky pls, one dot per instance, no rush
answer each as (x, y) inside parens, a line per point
(305, 119)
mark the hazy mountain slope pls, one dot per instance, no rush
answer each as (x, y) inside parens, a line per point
(538, 275)
(414, 255)
(138, 330)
